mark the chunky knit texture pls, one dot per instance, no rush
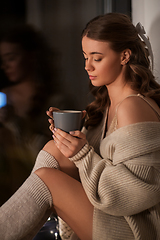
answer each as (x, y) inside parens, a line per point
(123, 184)
(44, 159)
(26, 211)
(22, 216)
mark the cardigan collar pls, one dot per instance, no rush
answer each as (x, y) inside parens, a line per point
(131, 141)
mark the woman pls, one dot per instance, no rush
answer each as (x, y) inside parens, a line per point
(27, 67)
(116, 155)
(27, 63)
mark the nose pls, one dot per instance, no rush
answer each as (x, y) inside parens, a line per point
(88, 66)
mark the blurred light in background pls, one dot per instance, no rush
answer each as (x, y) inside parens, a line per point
(3, 99)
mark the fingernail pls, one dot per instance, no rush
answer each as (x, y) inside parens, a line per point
(72, 132)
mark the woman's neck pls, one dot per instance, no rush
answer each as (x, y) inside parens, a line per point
(118, 93)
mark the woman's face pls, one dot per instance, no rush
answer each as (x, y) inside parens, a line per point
(14, 61)
(102, 64)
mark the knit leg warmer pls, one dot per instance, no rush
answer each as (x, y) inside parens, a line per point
(44, 159)
(22, 216)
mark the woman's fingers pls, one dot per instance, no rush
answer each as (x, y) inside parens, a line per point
(83, 113)
(62, 144)
(50, 114)
(51, 127)
(69, 136)
(78, 134)
(69, 144)
(50, 111)
(50, 121)
(63, 137)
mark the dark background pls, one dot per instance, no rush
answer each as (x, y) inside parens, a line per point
(61, 22)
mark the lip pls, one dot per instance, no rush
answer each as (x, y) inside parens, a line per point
(92, 77)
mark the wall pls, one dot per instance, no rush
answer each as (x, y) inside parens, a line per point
(62, 23)
(148, 13)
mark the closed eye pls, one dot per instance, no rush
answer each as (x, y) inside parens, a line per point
(98, 60)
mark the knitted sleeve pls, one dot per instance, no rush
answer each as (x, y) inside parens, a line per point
(121, 185)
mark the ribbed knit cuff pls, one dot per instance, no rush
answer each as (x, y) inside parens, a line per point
(82, 153)
(37, 188)
(45, 159)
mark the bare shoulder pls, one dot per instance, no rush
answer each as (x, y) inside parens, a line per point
(134, 109)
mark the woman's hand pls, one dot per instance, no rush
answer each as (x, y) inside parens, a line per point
(50, 114)
(69, 143)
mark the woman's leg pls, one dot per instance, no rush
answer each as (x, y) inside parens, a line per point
(22, 216)
(69, 168)
(26, 211)
(69, 201)
(64, 163)
(63, 184)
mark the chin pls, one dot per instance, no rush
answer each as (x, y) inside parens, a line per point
(97, 85)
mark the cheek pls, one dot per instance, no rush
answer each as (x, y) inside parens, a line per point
(115, 67)
(106, 69)
(110, 72)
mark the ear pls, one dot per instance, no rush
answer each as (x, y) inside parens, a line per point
(125, 56)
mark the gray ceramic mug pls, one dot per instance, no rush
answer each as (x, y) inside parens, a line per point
(67, 120)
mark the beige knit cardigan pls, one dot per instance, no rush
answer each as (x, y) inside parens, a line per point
(122, 181)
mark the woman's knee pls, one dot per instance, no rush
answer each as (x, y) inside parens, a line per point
(51, 148)
(44, 172)
(65, 164)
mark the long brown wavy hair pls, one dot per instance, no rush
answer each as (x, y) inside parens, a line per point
(118, 30)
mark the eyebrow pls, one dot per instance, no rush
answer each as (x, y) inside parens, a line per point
(92, 53)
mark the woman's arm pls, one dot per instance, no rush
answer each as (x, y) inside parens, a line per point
(117, 189)
(122, 189)
(118, 183)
